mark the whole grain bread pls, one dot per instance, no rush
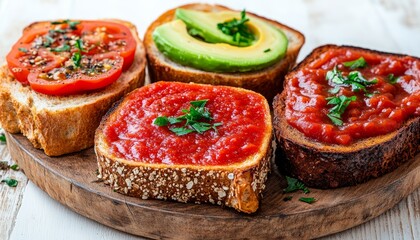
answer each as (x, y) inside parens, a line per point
(268, 81)
(323, 165)
(238, 185)
(63, 124)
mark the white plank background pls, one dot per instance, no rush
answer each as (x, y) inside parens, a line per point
(386, 25)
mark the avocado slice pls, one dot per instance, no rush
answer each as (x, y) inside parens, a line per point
(205, 25)
(216, 55)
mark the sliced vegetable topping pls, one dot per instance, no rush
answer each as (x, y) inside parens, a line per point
(71, 57)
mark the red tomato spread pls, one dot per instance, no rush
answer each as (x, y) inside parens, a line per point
(391, 98)
(132, 134)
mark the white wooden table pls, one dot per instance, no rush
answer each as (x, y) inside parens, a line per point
(386, 25)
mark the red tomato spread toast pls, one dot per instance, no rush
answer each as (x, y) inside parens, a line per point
(347, 115)
(62, 76)
(188, 143)
(211, 52)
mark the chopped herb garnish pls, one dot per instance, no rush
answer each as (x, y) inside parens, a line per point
(267, 50)
(15, 167)
(287, 198)
(355, 79)
(10, 182)
(24, 50)
(79, 45)
(2, 138)
(392, 79)
(53, 31)
(48, 41)
(76, 58)
(293, 185)
(309, 200)
(63, 48)
(193, 119)
(358, 63)
(238, 30)
(72, 24)
(334, 90)
(341, 103)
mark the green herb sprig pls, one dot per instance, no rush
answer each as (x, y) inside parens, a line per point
(238, 30)
(358, 63)
(293, 185)
(72, 24)
(10, 182)
(193, 118)
(355, 79)
(309, 200)
(24, 50)
(341, 103)
(63, 48)
(2, 138)
(392, 79)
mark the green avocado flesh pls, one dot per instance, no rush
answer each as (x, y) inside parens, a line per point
(217, 53)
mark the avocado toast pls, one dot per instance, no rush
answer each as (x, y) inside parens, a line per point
(190, 44)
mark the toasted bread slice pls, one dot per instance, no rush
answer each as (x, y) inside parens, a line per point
(63, 124)
(237, 184)
(268, 81)
(324, 165)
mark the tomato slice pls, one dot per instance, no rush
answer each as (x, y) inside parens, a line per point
(22, 59)
(63, 54)
(109, 36)
(96, 71)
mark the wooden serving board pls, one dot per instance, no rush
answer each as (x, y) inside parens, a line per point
(71, 180)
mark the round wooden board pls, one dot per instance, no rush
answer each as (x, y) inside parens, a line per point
(72, 181)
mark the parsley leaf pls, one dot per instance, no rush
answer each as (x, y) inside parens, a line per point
(240, 32)
(267, 50)
(15, 167)
(341, 103)
(2, 138)
(10, 182)
(24, 50)
(293, 185)
(355, 79)
(63, 48)
(193, 119)
(358, 63)
(48, 41)
(392, 79)
(309, 200)
(72, 24)
(76, 58)
(79, 45)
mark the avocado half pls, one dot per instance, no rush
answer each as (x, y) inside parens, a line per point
(216, 54)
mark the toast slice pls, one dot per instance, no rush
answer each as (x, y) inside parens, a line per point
(268, 81)
(237, 182)
(63, 124)
(325, 165)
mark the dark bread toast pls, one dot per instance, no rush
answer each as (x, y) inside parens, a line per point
(325, 165)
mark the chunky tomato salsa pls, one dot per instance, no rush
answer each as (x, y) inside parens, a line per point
(69, 57)
(349, 94)
(179, 123)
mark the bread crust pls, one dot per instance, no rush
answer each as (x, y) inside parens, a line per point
(323, 165)
(268, 81)
(63, 124)
(239, 186)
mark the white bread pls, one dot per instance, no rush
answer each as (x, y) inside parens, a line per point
(268, 81)
(236, 185)
(63, 124)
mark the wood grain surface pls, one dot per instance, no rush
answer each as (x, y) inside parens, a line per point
(71, 180)
(27, 212)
